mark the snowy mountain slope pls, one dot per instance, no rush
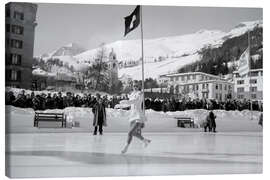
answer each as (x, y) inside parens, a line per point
(153, 48)
(153, 70)
(176, 51)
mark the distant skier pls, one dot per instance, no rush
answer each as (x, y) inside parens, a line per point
(136, 118)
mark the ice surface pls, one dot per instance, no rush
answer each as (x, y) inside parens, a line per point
(82, 154)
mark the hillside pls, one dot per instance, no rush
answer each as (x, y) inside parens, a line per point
(171, 54)
(224, 59)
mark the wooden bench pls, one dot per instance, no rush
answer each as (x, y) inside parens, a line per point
(50, 117)
(182, 121)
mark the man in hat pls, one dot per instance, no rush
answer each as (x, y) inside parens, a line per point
(99, 115)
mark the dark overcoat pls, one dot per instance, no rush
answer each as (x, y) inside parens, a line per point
(95, 110)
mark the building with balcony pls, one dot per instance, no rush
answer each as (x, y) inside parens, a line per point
(198, 85)
(249, 86)
(20, 25)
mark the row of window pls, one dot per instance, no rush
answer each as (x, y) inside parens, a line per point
(14, 43)
(252, 81)
(16, 14)
(14, 29)
(219, 87)
(251, 89)
(13, 75)
(241, 96)
(252, 74)
(189, 77)
(13, 59)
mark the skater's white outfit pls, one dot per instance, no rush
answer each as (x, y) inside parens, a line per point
(136, 118)
(135, 101)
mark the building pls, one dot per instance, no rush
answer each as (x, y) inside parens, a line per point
(20, 31)
(198, 85)
(249, 86)
(112, 68)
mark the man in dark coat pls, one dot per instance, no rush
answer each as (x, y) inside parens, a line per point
(99, 115)
(212, 122)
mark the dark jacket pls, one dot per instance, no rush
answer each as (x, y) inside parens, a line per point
(99, 118)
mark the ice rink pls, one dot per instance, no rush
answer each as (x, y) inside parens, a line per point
(82, 154)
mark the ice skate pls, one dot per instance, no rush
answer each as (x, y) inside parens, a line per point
(125, 149)
(146, 142)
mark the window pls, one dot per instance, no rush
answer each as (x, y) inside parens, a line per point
(18, 15)
(182, 78)
(240, 82)
(171, 78)
(7, 41)
(240, 96)
(220, 86)
(177, 78)
(253, 81)
(194, 77)
(14, 75)
(7, 12)
(240, 89)
(216, 87)
(225, 87)
(188, 77)
(16, 59)
(253, 96)
(216, 96)
(203, 86)
(7, 27)
(197, 87)
(254, 74)
(17, 29)
(16, 43)
(253, 89)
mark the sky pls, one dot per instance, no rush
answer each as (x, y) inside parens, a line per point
(90, 25)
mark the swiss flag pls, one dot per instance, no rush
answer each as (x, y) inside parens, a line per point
(133, 20)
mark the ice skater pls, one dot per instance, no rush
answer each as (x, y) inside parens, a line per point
(137, 117)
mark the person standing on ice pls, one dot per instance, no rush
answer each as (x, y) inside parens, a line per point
(136, 118)
(99, 115)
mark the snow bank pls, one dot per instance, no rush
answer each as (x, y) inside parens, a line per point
(21, 120)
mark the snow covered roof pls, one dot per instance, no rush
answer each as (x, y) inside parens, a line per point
(41, 72)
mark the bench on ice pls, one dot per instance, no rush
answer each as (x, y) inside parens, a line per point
(50, 117)
(182, 121)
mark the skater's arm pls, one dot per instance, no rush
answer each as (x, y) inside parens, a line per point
(133, 100)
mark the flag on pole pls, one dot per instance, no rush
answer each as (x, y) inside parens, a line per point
(244, 63)
(132, 21)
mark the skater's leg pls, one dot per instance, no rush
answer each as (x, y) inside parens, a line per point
(130, 135)
(138, 134)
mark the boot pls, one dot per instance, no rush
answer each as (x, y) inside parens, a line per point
(125, 149)
(146, 142)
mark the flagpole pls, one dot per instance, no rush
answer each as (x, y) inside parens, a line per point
(249, 64)
(142, 59)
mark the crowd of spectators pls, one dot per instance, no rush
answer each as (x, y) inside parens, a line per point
(59, 101)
